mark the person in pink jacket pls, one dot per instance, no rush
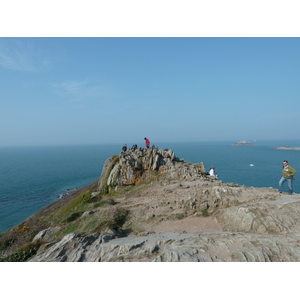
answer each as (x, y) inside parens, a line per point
(147, 142)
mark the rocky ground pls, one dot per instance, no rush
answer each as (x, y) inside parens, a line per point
(262, 225)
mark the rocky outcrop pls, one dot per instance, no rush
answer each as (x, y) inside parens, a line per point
(45, 234)
(281, 217)
(173, 247)
(133, 166)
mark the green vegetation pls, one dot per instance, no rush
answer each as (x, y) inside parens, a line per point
(179, 216)
(74, 216)
(204, 213)
(83, 198)
(67, 215)
(24, 253)
(105, 202)
(7, 242)
(114, 219)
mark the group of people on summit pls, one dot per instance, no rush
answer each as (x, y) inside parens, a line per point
(147, 142)
(288, 172)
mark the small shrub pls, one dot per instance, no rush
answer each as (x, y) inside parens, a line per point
(105, 202)
(173, 217)
(95, 199)
(120, 216)
(24, 253)
(84, 197)
(179, 216)
(74, 216)
(204, 213)
(115, 219)
(129, 188)
(6, 243)
(22, 230)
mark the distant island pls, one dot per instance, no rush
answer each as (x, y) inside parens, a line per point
(287, 148)
(242, 143)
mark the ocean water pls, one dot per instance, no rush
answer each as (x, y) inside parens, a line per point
(33, 177)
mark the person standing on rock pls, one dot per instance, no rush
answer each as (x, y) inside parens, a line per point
(288, 173)
(124, 148)
(147, 142)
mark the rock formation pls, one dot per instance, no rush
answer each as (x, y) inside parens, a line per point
(132, 166)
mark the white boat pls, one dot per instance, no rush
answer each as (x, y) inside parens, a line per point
(251, 165)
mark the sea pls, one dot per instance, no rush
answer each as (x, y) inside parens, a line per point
(34, 177)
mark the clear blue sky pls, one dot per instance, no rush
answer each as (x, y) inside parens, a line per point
(119, 90)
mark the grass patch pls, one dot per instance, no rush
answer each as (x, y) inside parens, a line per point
(20, 230)
(179, 216)
(6, 243)
(24, 253)
(72, 227)
(204, 213)
(84, 197)
(74, 216)
(176, 217)
(105, 202)
(114, 219)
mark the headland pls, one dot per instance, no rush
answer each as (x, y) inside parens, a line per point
(149, 205)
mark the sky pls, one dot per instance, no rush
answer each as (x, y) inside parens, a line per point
(57, 91)
(116, 73)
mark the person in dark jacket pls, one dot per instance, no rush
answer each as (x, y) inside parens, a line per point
(124, 148)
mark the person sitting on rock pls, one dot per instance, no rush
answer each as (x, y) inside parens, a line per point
(212, 172)
(134, 147)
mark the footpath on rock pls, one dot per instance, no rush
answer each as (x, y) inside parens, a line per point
(149, 205)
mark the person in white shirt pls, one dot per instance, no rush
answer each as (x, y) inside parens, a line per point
(212, 172)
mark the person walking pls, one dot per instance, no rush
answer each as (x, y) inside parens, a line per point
(147, 142)
(288, 173)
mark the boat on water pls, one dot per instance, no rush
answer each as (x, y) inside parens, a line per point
(243, 143)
